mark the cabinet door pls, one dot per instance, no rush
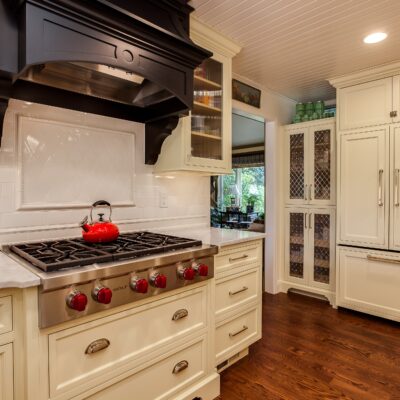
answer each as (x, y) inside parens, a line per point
(297, 171)
(395, 188)
(6, 372)
(366, 104)
(321, 189)
(322, 248)
(296, 244)
(364, 188)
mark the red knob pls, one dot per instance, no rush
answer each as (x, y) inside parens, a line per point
(158, 280)
(202, 269)
(139, 285)
(187, 273)
(102, 295)
(77, 301)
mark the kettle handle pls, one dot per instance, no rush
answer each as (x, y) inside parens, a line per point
(99, 203)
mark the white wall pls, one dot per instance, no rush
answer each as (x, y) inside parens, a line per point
(54, 163)
(277, 110)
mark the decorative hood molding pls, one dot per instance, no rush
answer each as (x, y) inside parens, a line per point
(126, 59)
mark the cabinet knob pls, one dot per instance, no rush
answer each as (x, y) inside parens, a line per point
(393, 114)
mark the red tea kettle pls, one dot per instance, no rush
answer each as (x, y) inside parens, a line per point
(100, 231)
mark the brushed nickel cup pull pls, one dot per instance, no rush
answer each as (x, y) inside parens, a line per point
(243, 289)
(382, 259)
(182, 313)
(238, 258)
(97, 345)
(233, 334)
(180, 366)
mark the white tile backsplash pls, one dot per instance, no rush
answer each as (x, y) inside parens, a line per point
(55, 162)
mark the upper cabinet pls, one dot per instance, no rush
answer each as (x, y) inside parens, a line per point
(310, 163)
(202, 142)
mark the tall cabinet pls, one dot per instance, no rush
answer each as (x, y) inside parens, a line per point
(202, 141)
(368, 237)
(310, 197)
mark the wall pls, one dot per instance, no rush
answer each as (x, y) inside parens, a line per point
(54, 163)
(277, 110)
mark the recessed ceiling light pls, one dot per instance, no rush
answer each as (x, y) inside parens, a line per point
(375, 37)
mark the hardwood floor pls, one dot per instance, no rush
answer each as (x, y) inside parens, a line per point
(311, 351)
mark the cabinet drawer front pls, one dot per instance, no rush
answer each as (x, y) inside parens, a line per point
(369, 281)
(6, 372)
(237, 334)
(5, 314)
(160, 380)
(118, 342)
(236, 291)
(233, 257)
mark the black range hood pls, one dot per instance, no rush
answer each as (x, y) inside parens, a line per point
(128, 59)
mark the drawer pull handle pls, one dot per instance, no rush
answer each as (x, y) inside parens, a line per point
(238, 258)
(182, 313)
(97, 345)
(231, 335)
(182, 365)
(243, 289)
(387, 260)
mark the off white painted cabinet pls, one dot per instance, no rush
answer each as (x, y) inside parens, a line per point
(395, 188)
(310, 163)
(6, 372)
(202, 142)
(364, 188)
(310, 248)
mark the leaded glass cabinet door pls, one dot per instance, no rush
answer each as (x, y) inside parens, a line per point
(296, 190)
(321, 185)
(296, 244)
(322, 247)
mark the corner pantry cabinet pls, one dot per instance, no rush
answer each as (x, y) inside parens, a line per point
(202, 142)
(310, 163)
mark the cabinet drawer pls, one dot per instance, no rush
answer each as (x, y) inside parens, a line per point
(163, 379)
(369, 281)
(236, 256)
(6, 314)
(237, 334)
(236, 290)
(116, 343)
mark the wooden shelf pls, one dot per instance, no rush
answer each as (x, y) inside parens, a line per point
(206, 135)
(205, 84)
(204, 108)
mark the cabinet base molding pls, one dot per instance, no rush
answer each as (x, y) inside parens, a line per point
(284, 287)
(207, 389)
(232, 360)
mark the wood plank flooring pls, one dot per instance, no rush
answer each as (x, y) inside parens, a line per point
(310, 351)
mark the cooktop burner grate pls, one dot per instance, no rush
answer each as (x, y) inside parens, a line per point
(55, 255)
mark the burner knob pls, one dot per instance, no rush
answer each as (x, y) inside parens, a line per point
(77, 301)
(158, 280)
(102, 294)
(186, 273)
(139, 285)
(201, 269)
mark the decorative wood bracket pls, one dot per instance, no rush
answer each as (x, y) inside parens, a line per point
(156, 133)
(3, 108)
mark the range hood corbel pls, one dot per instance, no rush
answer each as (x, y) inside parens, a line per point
(131, 60)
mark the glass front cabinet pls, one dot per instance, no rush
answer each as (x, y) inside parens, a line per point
(310, 247)
(202, 141)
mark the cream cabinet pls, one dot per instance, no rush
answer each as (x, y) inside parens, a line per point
(202, 142)
(364, 204)
(310, 163)
(310, 248)
(6, 372)
(369, 281)
(394, 240)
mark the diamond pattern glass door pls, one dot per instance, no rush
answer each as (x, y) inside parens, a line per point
(297, 178)
(296, 245)
(322, 256)
(322, 164)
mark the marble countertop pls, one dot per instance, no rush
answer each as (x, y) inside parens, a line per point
(14, 275)
(215, 236)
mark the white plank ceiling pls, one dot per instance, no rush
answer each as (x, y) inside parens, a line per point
(293, 46)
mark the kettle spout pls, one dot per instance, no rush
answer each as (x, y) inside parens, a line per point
(84, 225)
